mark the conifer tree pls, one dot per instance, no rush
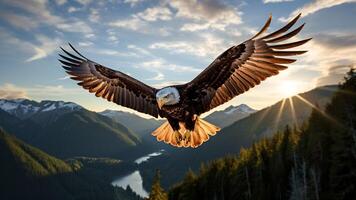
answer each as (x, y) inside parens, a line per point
(157, 192)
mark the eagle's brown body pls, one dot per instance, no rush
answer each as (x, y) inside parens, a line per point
(235, 71)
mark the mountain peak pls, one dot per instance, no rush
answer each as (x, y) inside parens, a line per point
(24, 108)
(242, 108)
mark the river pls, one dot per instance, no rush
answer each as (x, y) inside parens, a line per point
(134, 180)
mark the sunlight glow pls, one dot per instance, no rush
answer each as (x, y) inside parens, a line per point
(294, 116)
(278, 117)
(318, 110)
(288, 88)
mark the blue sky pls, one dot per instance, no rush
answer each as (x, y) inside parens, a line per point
(164, 42)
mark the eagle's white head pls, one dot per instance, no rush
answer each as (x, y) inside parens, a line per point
(167, 96)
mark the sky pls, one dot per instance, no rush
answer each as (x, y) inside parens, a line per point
(161, 42)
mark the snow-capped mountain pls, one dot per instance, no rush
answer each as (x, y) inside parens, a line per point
(242, 108)
(24, 108)
(230, 115)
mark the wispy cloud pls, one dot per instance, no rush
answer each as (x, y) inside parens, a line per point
(156, 13)
(60, 2)
(45, 47)
(19, 21)
(133, 2)
(206, 14)
(84, 2)
(160, 64)
(133, 23)
(39, 12)
(160, 76)
(328, 51)
(334, 74)
(315, 6)
(85, 44)
(10, 91)
(207, 45)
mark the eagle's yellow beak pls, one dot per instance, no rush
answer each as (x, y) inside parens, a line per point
(160, 103)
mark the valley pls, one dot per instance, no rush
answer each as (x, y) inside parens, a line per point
(118, 146)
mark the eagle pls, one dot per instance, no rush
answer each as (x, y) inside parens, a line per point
(232, 73)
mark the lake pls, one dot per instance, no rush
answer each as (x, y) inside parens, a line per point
(134, 180)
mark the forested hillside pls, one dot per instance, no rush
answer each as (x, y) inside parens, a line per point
(317, 161)
(29, 173)
(72, 133)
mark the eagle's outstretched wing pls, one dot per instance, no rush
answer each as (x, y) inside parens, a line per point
(112, 85)
(243, 66)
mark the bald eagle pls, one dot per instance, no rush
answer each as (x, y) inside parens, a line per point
(235, 71)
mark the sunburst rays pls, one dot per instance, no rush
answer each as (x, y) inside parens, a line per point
(316, 108)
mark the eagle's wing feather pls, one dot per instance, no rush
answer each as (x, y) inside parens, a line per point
(243, 66)
(112, 85)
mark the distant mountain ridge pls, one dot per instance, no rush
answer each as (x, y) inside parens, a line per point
(65, 129)
(24, 108)
(230, 115)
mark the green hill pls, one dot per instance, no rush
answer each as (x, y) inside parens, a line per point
(77, 133)
(316, 162)
(29, 173)
(84, 133)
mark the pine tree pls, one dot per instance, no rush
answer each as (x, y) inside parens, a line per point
(157, 192)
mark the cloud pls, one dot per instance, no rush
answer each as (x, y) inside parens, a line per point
(84, 2)
(206, 14)
(61, 2)
(40, 13)
(94, 15)
(133, 2)
(158, 77)
(139, 50)
(111, 52)
(207, 45)
(10, 91)
(46, 47)
(315, 6)
(327, 54)
(73, 9)
(335, 74)
(133, 23)
(156, 13)
(19, 21)
(112, 38)
(160, 64)
(85, 44)
(276, 1)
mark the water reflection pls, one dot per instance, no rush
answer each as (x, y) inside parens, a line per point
(134, 180)
(145, 158)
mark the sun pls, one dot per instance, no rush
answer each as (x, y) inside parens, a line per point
(288, 88)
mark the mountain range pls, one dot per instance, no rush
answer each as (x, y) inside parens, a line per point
(66, 129)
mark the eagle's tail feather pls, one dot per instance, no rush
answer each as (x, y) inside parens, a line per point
(184, 137)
